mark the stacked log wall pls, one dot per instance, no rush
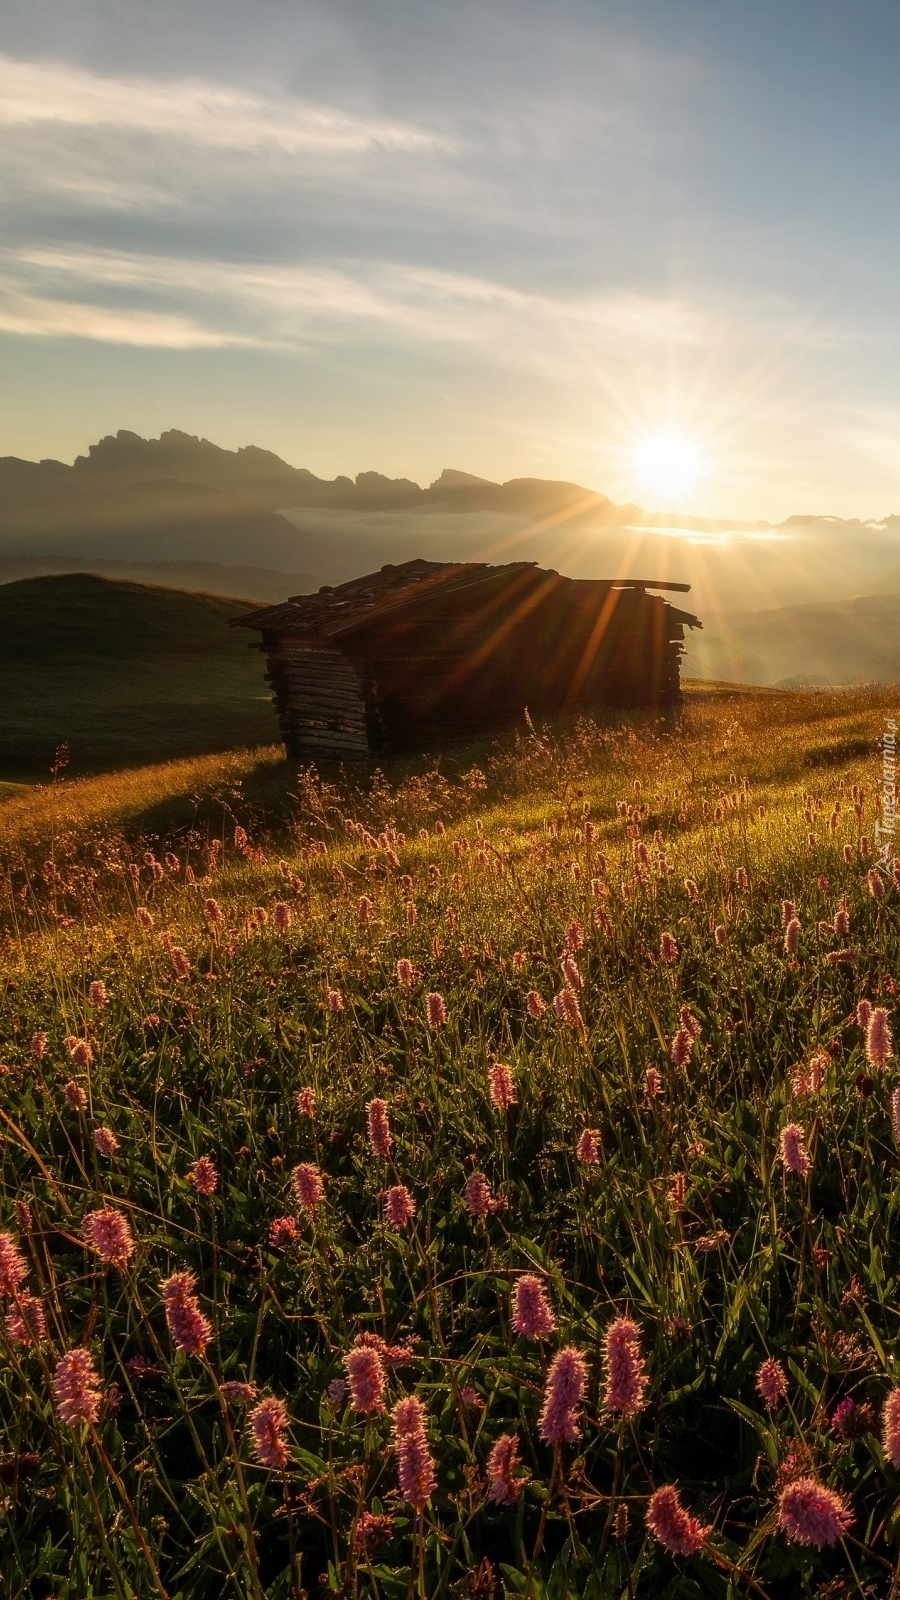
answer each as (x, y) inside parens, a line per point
(319, 700)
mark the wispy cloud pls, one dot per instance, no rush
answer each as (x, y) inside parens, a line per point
(44, 319)
(272, 305)
(201, 111)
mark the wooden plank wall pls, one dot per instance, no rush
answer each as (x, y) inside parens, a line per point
(319, 700)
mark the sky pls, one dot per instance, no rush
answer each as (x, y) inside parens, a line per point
(648, 246)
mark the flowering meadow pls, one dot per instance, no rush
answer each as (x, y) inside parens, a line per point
(473, 1180)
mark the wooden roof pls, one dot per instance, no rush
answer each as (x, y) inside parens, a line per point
(342, 608)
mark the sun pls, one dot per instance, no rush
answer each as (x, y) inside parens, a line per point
(668, 463)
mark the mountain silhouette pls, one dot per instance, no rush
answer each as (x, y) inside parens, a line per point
(131, 503)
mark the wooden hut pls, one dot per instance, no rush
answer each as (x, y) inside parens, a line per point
(430, 653)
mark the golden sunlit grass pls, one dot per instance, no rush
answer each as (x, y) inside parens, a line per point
(185, 948)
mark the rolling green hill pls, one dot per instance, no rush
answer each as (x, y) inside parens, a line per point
(124, 674)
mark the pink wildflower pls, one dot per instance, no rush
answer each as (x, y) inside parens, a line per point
(588, 1147)
(108, 1234)
(203, 1176)
(720, 935)
(80, 1052)
(668, 949)
(191, 1331)
(435, 1010)
(399, 1207)
(502, 1087)
(771, 1382)
(478, 1195)
(558, 1421)
(335, 1000)
(792, 937)
(841, 921)
(652, 1083)
(380, 1138)
(372, 1532)
(878, 1038)
(863, 1013)
(625, 1376)
(268, 1421)
(672, 1526)
(26, 1323)
(793, 1150)
(239, 1394)
(213, 911)
(145, 917)
(283, 1231)
(682, 1044)
(406, 975)
(574, 936)
(689, 1023)
(308, 1185)
(875, 883)
(567, 1009)
(811, 1514)
(532, 1317)
(24, 1219)
(801, 1083)
(741, 878)
(365, 1373)
(335, 1392)
(895, 1113)
(534, 1005)
(415, 1467)
(281, 916)
(306, 1102)
(260, 916)
(75, 1097)
(845, 1419)
(38, 1045)
(76, 1388)
(180, 962)
(571, 974)
(13, 1266)
(691, 887)
(105, 1141)
(364, 910)
(97, 994)
(890, 1425)
(503, 1487)
(788, 913)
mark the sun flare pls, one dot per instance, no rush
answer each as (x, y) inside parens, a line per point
(669, 463)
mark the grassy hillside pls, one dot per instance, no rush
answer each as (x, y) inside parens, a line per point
(122, 673)
(546, 1028)
(210, 577)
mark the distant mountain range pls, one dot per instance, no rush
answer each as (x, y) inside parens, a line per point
(180, 510)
